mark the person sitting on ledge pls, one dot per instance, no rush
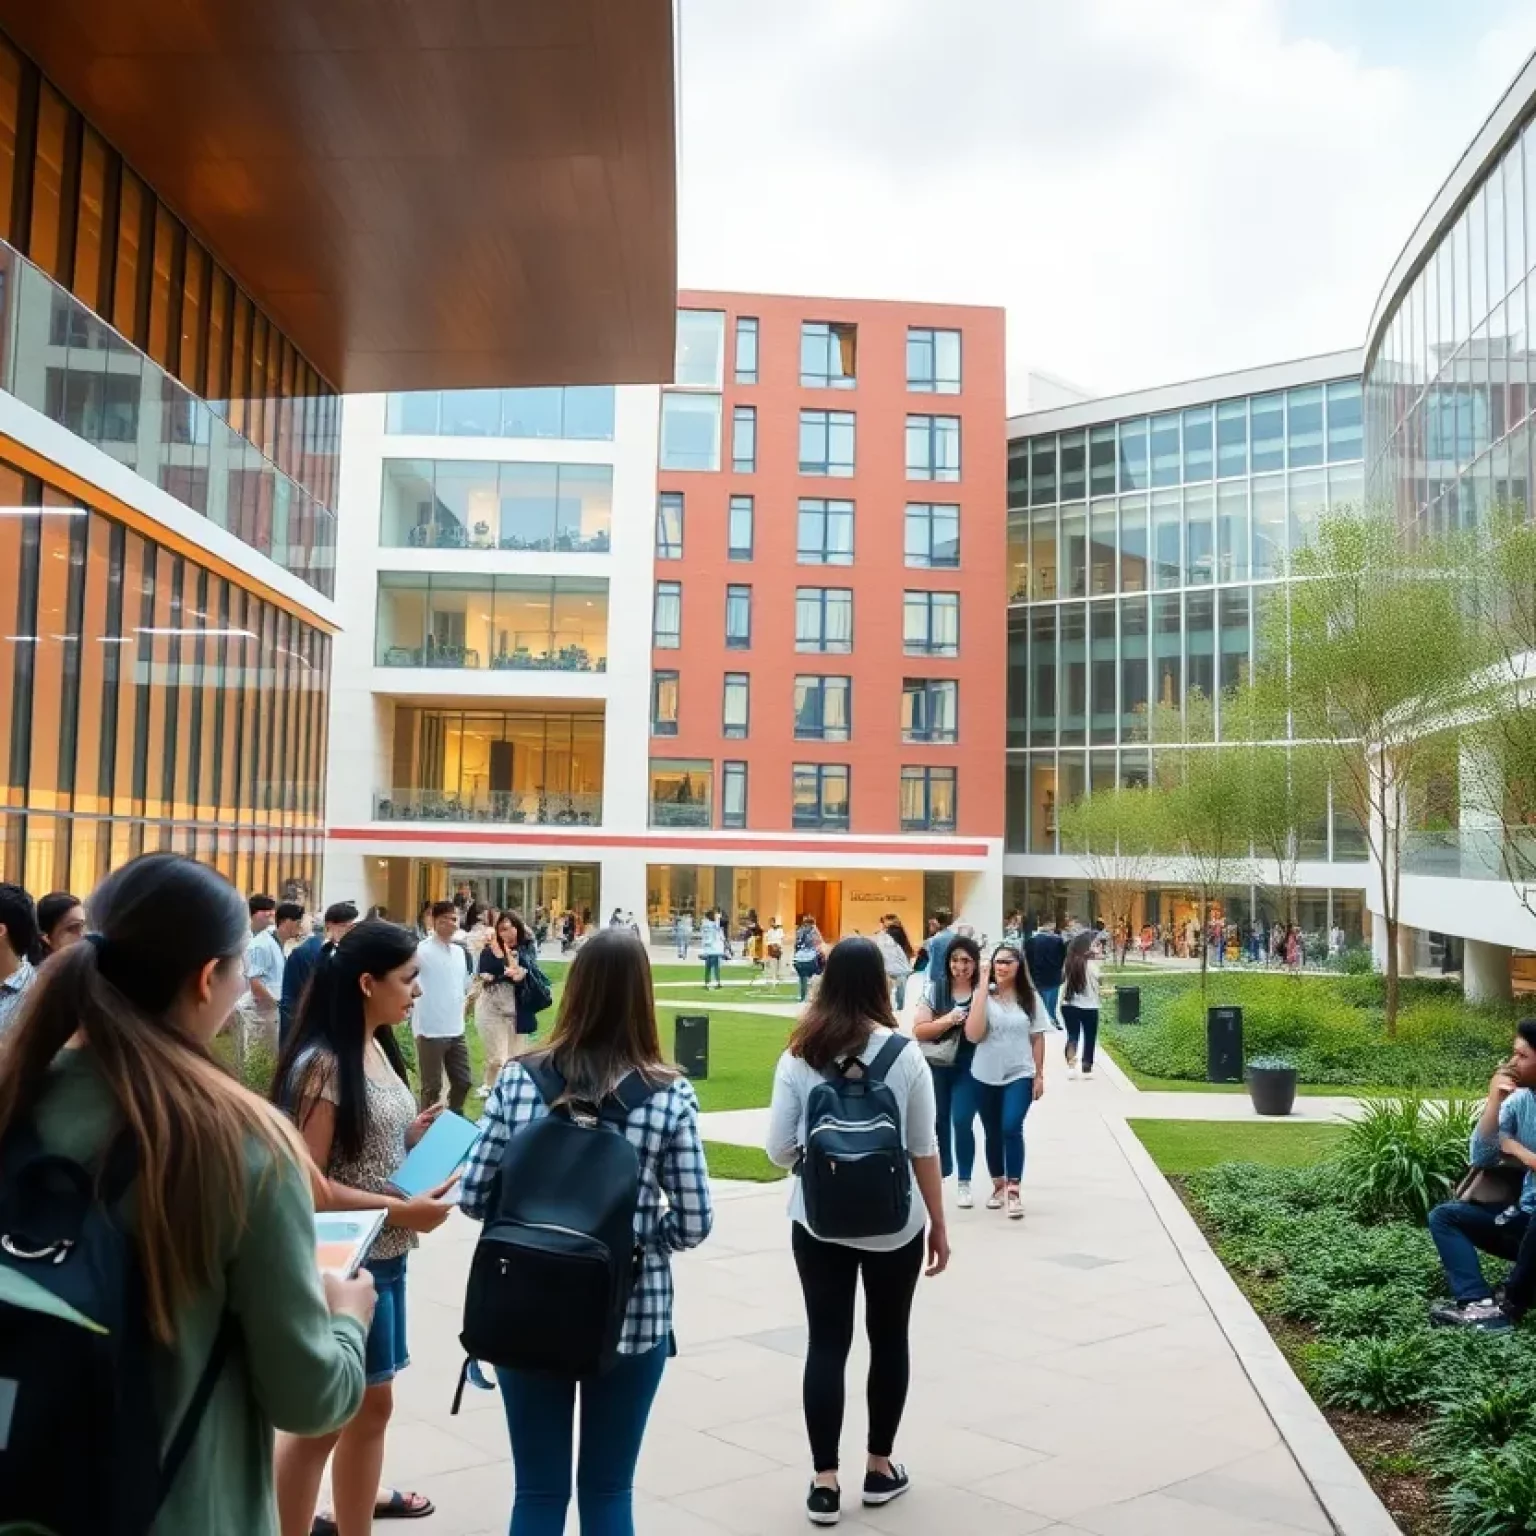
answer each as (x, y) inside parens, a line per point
(1461, 1228)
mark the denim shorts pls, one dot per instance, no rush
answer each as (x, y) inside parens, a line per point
(386, 1351)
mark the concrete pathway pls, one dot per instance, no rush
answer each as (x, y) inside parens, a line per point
(1068, 1375)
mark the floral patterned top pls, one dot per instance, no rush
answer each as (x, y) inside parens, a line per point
(391, 1109)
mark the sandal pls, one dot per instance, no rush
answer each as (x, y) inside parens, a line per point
(398, 1506)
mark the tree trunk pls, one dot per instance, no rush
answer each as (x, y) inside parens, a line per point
(1205, 947)
(1392, 976)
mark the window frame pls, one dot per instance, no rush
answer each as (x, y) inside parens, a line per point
(930, 472)
(925, 774)
(821, 774)
(821, 420)
(739, 503)
(821, 596)
(928, 646)
(733, 768)
(672, 590)
(744, 422)
(661, 727)
(925, 511)
(746, 326)
(738, 592)
(739, 682)
(927, 689)
(927, 336)
(830, 341)
(822, 731)
(664, 546)
(825, 508)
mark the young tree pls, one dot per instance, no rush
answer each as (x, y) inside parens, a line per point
(1115, 837)
(1371, 653)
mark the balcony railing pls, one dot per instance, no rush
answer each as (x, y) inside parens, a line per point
(672, 813)
(1471, 853)
(545, 808)
(456, 536)
(569, 658)
(63, 360)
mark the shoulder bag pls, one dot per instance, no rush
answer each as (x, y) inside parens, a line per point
(1498, 1186)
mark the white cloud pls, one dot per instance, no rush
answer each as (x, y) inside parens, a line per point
(1152, 190)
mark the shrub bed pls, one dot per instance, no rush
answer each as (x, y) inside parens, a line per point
(1332, 1027)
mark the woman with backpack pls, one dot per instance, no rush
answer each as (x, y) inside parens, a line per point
(806, 956)
(871, 1230)
(513, 992)
(1080, 1003)
(939, 1028)
(1009, 1065)
(603, 1063)
(342, 1080)
(232, 1330)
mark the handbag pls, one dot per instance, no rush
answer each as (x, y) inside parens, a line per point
(942, 1052)
(1498, 1186)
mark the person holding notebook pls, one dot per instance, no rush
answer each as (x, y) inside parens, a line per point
(343, 1081)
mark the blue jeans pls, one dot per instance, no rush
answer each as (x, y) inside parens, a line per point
(805, 969)
(682, 948)
(540, 1416)
(899, 993)
(965, 1105)
(1049, 997)
(711, 969)
(1002, 1119)
(1460, 1229)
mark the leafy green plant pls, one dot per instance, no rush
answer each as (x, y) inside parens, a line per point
(1403, 1155)
(1494, 1492)
(1484, 1416)
(1379, 1375)
(1370, 1311)
(1271, 1064)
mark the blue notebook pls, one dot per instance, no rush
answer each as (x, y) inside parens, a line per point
(437, 1156)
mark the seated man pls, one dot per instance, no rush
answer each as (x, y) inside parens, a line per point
(1460, 1228)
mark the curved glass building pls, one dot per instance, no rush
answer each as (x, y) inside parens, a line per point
(1449, 369)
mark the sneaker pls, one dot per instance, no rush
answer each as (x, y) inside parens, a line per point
(880, 1489)
(1015, 1206)
(1071, 1074)
(1486, 1314)
(963, 1197)
(824, 1506)
(995, 1200)
(1087, 1071)
(1071, 1054)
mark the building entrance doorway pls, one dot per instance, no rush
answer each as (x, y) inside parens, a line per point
(822, 900)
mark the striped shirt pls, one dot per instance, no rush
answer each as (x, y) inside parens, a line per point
(664, 1131)
(12, 990)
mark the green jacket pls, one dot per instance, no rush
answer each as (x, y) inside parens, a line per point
(293, 1366)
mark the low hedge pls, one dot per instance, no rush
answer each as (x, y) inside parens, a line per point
(1332, 1027)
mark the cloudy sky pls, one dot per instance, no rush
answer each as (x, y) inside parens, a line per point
(1153, 189)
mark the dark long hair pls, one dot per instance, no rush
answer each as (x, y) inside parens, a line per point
(1075, 973)
(52, 909)
(899, 935)
(853, 998)
(332, 1028)
(1021, 980)
(524, 933)
(607, 1023)
(944, 979)
(160, 920)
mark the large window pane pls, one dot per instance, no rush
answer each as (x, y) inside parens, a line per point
(530, 413)
(1269, 518)
(1167, 539)
(1134, 655)
(1042, 470)
(1166, 463)
(589, 412)
(1267, 432)
(1101, 548)
(1133, 543)
(1074, 674)
(1042, 666)
(1308, 499)
(1101, 461)
(1234, 638)
(1304, 426)
(1232, 438)
(1197, 443)
(700, 348)
(690, 431)
(1134, 471)
(1043, 553)
(1200, 637)
(1345, 429)
(1232, 532)
(1074, 466)
(1167, 650)
(1199, 536)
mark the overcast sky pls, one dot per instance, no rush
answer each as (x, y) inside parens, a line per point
(1153, 189)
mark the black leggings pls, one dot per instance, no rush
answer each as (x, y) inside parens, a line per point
(829, 1275)
(1082, 1023)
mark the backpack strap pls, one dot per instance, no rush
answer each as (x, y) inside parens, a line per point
(546, 1078)
(202, 1395)
(876, 1071)
(631, 1093)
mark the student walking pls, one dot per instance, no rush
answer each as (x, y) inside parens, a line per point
(848, 1034)
(514, 991)
(299, 967)
(1080, 1004)
(605, 1044)
(939, 1028)
(773, 950)
(712, 946)
(682, 933)
(807, 953)
(1045, 954)
(896, 952)
(343, 1082)
(1009, 1066)
(437, 1020)
(118, 1034)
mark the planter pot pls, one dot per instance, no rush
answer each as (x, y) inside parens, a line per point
(1272, 1089)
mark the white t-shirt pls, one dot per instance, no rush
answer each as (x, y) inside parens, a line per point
(1005, 1052)
(912, 1084)
(439, 1011)
(1089, 996)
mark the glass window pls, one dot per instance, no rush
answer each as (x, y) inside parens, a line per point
(471, 412)
(667, 628)
(1133, 543)
(1101, 461)
(1232, 532)
(819, 792)
(681, 792)
(1074, 466)
(690, 431)
(823, 708)
(527, 412)
(735, 716)
(932, 536)
(1304, 423)
(1134, 473)
(933, 361)
(1167, 554)
(825, 532)
(588, 412)
(1231, 438)
(823, 619)
(1042, 471)
(1042, 672)
(1268, 526)
(1103, 665)
(733, 794)
(1200, 640)
(1198, 443)
(739, 532)
(1074, 673)
(927, 799)
(1167, 651)
(1267, 432)
(46, 247)
(1043, 554)
(664, 703)
(746, 349)
(828, 354)
(931, 624)
(669, 525)
(1101, 548)
(700, 348)
(827, 443)
(933, 447)
(930, 710)
(1308, 498)
(1074, 540)
(88, 226)
(744, 439)
(1345, 429)
(1476, 222)
(738, 618)
(1234, 638)
(1199, 536)
(1134, 687)
(1166, 465)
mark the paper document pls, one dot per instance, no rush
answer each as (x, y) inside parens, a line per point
(343, 1237)
(437, 1156)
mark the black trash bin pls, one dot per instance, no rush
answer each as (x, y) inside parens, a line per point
(1127, 1005)
(690, 1045)
(1223, 1045)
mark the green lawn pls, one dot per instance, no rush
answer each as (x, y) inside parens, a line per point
(743, 1048)
(1188, 1146)
(1149, 1084)
(727, 1161)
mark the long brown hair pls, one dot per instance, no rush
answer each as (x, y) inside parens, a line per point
(160, 919)
(607, 1023)
(1075, 972)
(1022, 984)
(854, 998)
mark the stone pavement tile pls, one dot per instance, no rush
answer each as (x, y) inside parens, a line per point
(468, 1502)
(675, 1460)
(930, 1509)
(1063, 1486)
(426, 1452)
(1157, 1514)
(1266, 1485)
(772, 1504)
(779, 1436)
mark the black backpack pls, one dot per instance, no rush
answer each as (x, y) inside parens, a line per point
(854, 1170)
(552, 1274)
(76, 1351)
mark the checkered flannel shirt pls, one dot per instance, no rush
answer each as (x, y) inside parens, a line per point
(664, 1131)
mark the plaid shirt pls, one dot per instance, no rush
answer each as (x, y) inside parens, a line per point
(664, 1131)
(13, 991)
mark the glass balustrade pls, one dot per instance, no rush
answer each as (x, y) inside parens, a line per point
(536, 806)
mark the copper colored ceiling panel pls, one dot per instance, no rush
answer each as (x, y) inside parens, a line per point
(421, 193)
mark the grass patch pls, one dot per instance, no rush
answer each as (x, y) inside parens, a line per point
(743, 1051)
(1182, 1147)
(1150, 1084)
(728, 1161)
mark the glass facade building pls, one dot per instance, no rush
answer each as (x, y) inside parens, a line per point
(1450, 373)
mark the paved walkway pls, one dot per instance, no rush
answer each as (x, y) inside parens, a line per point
(1068, 1376)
